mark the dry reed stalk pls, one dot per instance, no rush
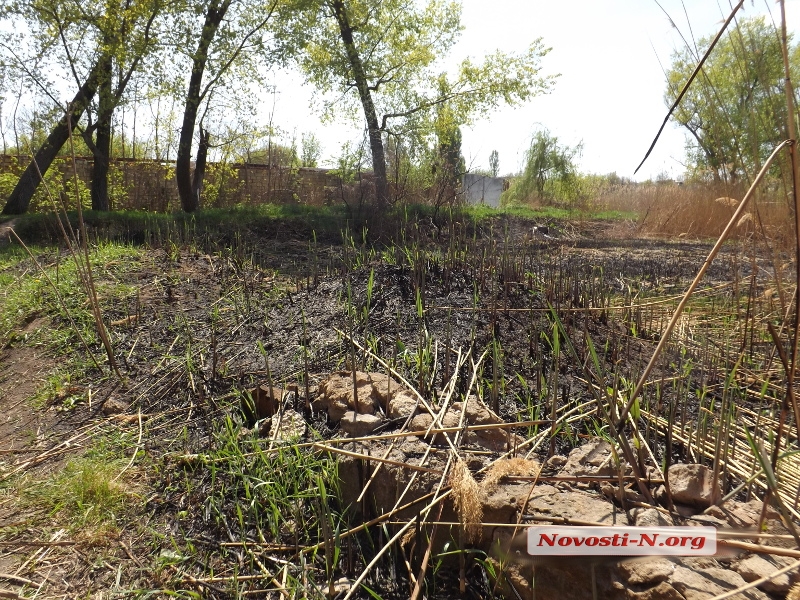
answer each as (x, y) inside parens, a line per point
(787, 484)
(460, 428)
(135, 448)
(69, 444)
(425, 559)
(438, 496)
(450, 389)
(712, 290)
(402, 379)
(85, 270)
(334, 441)
(452, 385)
(688, 83)
(790, 123)
(682, 304)
(58, 296)
(387, 461)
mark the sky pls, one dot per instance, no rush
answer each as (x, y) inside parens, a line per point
(611, 56)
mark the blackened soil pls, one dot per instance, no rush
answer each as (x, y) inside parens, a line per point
(550, 320)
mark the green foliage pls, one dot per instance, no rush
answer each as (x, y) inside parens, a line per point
(22, 298)
(275, 155)
(59, 187)
(117, 190)
(448, 165)
(222, 184)
(276, 495)
(410, 169)
(494, 163)
(310, 150)
(92, 489)
(550, 175)
(349, 163)
(381, 61)
(735, 111)
(7, 182)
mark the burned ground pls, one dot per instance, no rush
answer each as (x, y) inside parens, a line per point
(205, 323)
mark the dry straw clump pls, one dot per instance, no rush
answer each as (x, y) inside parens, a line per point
(794, 593)
(467, 496)
(510, 466)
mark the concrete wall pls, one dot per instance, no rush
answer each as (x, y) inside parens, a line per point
(480, 189)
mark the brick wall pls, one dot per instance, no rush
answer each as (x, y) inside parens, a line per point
(150, 184)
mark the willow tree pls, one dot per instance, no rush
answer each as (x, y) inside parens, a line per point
(735, 112)
(383, 60)
(95, 47)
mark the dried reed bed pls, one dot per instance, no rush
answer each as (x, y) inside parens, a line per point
(700, 211)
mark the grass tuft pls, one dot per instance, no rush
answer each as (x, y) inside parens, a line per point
(467, 499)
(511, 466)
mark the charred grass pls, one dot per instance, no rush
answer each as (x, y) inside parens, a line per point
(191, 502)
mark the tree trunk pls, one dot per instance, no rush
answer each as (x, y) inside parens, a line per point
(200, 163)
(214, 15)
(20, 198)
(360, 77)
(102, 145)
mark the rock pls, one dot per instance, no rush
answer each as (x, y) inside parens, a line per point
(700, 584)
(390, 480)
(548, 500)
(259, 404)
(502, 504)
(742, 514)
(513, 580)
(384, 388)
(649, 517)
(708, 521)
(593, 458)
(572, 580)
(340, 586)
(357, 425)
(421, 422)
(555, 462)
(336, 393)
(693, 485)
(497, 440)
(758, 566)
(646, 572)
(403, 405)
(450, 420)
(685, 511)
(114, 406)
(663, 591)
(290, 426)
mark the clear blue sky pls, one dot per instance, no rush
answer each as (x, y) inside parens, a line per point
(610, 54)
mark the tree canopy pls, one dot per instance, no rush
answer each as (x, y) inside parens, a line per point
(550, 172)
(735, 112)
(382, 60)
(382, 63)
(94, 47)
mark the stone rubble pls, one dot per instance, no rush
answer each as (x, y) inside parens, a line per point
(391, 484)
